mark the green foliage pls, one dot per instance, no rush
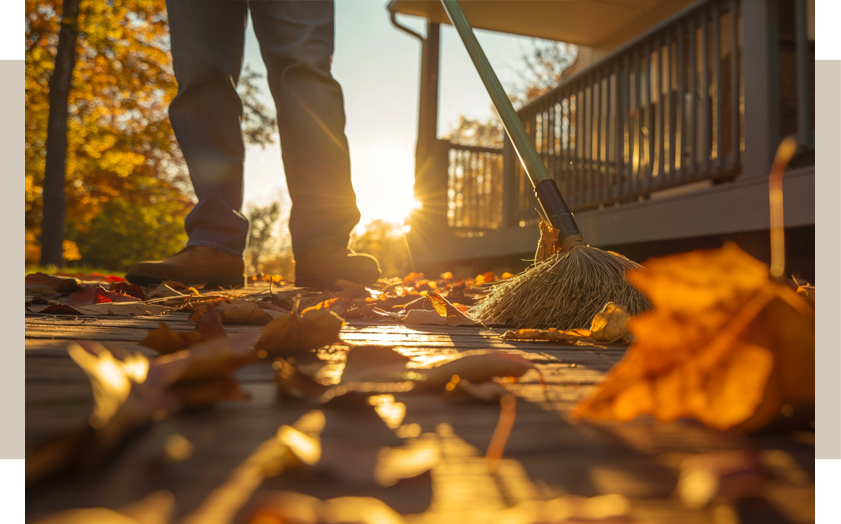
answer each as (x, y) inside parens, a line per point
(263, 241)
(385, 240)
(126, 233)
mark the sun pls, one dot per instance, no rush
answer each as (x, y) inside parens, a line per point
(383, 179)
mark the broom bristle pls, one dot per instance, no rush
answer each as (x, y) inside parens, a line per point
(564, 291)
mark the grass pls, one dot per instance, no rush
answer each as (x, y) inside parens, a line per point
(85, 270)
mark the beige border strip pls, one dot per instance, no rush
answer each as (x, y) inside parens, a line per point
(12, 121)
(828, 258)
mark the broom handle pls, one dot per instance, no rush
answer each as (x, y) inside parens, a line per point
(545, 188)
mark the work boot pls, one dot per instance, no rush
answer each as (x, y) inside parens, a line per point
(323, 265)
(192, 265)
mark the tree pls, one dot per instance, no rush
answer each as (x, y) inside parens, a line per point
(119, 142)
(471, 132)
(542, 70)
(56, 143)
(263, 238)
(385, 241)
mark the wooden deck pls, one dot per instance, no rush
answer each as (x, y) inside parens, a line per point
(546, 458)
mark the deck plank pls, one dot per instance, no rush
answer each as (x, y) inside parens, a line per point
(546, 456)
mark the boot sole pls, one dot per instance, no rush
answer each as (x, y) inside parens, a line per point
(224, 282)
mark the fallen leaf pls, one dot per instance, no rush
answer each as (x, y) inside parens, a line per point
(610, 324)
(365, 312)
(423, 317)
(60, 309)
(381, 364)
(334, 304)
(292, 333)
(293, 383)
(448, 314)
(130, 391)
(164, 291)
(548, 244)
(124, 288)
(725, 345)
(98, 295)
(55, 284)
(558, 335)
(243, 312)
(130, 309)
(479, 366)
(360, 359)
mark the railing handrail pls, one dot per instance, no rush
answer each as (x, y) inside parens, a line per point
(616, 52)
(477, 149)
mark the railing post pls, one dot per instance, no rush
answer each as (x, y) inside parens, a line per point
(761, 65)
(509, 167)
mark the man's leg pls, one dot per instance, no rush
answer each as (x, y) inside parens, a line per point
(296, 41)
(207, 39)
(207, 47)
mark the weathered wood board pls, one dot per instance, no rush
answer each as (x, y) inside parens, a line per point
(546, 457)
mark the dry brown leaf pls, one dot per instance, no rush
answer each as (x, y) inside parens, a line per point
(131, 391)
(128, 309)
(243, 312)
(292, 333)
(164, 340)
(381, 364)
(60, 309)
(294, 383)
(424, 317)
(125, 288)
(610, 324)
(50, 284)
(559, 335)
(479, 366)
(725, 345)
(548, 244)
(448, 314)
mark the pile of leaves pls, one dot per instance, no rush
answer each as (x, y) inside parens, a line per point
(199, 367)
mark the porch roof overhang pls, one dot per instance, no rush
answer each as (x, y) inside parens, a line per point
(581, 22)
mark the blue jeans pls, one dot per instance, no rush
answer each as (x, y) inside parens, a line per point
(296, 42)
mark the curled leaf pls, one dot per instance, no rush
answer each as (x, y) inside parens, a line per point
(610, 324)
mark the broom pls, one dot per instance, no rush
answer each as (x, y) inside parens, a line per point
(566, 290)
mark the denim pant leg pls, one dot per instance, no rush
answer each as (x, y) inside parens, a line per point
(207, 38)
(296, 42)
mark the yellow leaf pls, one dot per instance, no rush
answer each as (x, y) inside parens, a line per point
(725, 345)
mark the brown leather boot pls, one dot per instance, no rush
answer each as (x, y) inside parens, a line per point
(323, 265)
(192, 265)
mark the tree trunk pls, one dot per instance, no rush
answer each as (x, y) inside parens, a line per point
(52, 236)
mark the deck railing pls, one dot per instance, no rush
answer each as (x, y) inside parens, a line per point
(658, 113)
(665, 110)
(475, 185)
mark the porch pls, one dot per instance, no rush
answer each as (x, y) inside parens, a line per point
(665, 128)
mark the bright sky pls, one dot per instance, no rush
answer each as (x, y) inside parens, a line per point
(378, 67)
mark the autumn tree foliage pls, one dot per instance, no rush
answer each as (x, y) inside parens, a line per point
(121, 154)
(541, 70)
